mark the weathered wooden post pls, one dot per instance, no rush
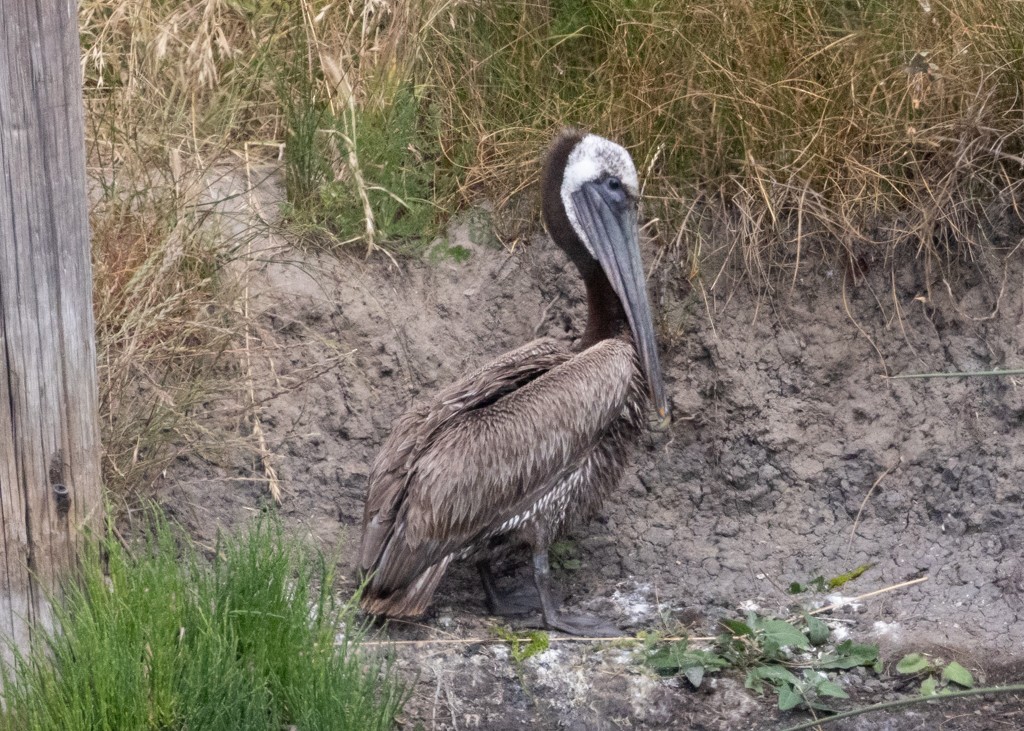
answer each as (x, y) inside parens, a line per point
(49, 433)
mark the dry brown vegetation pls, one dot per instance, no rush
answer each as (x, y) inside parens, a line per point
(769, 135)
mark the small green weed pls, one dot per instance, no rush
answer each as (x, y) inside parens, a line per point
(443, 251)
(396, 163)
(678, 657)
(523, 645)
(162, 639)
(305, 112)
(794, 662)
(821, 584)
(760, 639)
(772, 651)
(849, 654)
(793, 691)
(565, 556)
(769, 647)
(937, 676)
(366, 173)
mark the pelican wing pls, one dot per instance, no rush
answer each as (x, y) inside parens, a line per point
(417, 429)
(485, 450)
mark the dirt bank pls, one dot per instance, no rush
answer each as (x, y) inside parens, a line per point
(785, 420)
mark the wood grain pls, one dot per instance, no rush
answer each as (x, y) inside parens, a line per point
(49, 435)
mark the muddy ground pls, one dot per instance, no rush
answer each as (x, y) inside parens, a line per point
(785, 420)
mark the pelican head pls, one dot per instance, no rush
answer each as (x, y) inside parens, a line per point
(590, 195)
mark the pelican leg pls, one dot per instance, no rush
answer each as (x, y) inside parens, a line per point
(582, 624)
(520, 601)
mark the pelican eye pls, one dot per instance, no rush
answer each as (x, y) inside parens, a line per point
(613, 192)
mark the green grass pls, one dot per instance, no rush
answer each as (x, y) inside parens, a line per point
(397, 166)
(162, 639)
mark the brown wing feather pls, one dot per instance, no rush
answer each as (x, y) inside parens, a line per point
(455, 470)
(415, 430)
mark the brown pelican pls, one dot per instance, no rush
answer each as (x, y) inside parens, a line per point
(510, 453)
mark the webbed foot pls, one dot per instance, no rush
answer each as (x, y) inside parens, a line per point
(523, 599)
(582, 625)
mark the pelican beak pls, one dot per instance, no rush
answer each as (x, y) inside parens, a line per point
(609, 220)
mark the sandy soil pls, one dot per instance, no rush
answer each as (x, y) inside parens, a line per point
(785, 421)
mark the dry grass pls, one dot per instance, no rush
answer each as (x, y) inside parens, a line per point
(164, 299)
(855, 128)
(848, 125)
(772, 137)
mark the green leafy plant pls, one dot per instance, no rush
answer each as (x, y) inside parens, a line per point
(806, 691)
(937, 676)
(848, 654)
(678, 657)
(796, 663)
(759, 640)
(769, 646)
(813, 686)
(817, 630)
(777, 655)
